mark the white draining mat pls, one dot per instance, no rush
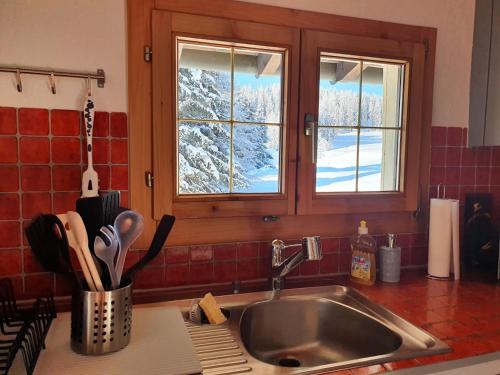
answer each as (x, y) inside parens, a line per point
(160, 345)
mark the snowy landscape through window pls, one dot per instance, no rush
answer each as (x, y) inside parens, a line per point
(359, 125)
(229, 119)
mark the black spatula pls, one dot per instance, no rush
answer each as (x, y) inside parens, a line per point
(97, 212)
(159, 238)
(48, 241)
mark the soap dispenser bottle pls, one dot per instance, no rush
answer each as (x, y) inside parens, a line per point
(363, 264)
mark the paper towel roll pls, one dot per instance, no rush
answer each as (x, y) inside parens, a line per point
(440, 238)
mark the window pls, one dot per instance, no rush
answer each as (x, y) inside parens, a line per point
(229, 118)
(226, 112)
(362, 120)
(359, 125)
(225, 99)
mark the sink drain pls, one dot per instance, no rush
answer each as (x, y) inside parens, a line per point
(289, 362)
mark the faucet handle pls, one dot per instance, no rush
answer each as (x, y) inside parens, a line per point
(312, 248)
(278, 247)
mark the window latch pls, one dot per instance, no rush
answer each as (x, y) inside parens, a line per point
(311, 130)
(148, 178)
(148, 53)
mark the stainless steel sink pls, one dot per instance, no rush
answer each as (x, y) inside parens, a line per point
(308, 331)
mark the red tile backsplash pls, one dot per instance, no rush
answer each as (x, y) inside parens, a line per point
(8, 150)
(224, 252)
(66, 177)
(178, 254)
(35, 178)
(100, 151)
(10, 178)
(8, 122)
(41, 164)
(119, 151)
(176, 275)
(10, 234)
(438, 136)
(11, 262)
(201, 253)
(119, 177)
(119, 125)
(9, 206)
(66, 150)
(30, 185)
(454, 136)
(64, 201)
(34, 150)
(225, 271)
(64, 122)
(35, 203)
(201, 273)
(33, 121)
(101, 124)
(103, 172)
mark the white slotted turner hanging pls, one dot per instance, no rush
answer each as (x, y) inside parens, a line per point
(90, 179)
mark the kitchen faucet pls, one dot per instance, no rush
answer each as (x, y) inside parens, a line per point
(310, 249)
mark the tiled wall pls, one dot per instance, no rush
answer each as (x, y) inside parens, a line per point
(41, 160)
(42, 155)
(223, 263)
(462, 170)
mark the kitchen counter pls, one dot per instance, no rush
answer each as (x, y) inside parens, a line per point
(464, 314)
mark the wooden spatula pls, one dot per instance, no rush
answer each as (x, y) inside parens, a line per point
(90, 179)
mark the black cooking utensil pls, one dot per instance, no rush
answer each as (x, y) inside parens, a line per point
(159, 238)
(110, 206)
(97, 212)
(47, 238)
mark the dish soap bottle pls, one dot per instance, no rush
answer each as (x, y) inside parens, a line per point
(363, 265)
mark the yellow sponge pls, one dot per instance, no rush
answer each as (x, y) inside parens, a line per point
(211, 309)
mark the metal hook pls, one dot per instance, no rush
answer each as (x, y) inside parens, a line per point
(52, 82)
(89, 86)
(19, 84)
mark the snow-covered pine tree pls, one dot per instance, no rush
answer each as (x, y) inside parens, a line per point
(203, 147)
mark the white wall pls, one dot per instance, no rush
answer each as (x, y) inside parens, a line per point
(90, 34)
(454, 20)
(64, 34)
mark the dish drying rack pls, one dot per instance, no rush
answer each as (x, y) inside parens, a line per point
(22, 329)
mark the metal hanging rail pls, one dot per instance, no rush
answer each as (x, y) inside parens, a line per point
(99, 76)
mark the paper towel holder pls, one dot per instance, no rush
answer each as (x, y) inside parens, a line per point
(451, 277)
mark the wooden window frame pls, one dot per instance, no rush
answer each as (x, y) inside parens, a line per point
(313, 44)
(245, 228)
(167, 27)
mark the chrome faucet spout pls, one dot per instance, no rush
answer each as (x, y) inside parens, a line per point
(310, 249)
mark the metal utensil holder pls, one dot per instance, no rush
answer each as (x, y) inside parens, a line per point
(101, 321)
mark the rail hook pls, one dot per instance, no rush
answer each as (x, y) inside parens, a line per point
(52, 82)
(89, 86)
(19, 83)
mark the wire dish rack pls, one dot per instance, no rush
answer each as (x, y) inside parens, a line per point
(22, 329)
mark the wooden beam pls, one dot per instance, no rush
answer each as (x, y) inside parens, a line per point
(348, 71)
(275, 15)
(268, 63)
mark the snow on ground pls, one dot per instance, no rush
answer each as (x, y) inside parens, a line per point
(336, 170)
(345, 157)
(366, 183)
